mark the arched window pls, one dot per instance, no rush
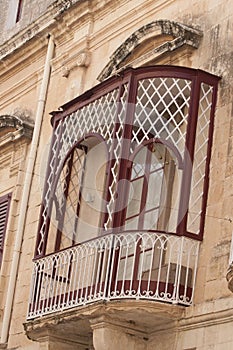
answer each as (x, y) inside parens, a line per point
(78, 192)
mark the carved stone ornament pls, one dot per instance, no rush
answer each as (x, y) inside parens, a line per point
(13, 128)
(38, 28)
(182, 34)
(82, 59)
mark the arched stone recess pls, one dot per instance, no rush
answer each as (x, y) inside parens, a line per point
(151, 41)
(12, 128)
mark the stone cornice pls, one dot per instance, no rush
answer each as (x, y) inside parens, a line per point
(38, 28)
(206, 320)
(207, 313)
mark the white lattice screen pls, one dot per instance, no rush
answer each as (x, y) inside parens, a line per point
(162, 112)
(200, 154)
(97, 117)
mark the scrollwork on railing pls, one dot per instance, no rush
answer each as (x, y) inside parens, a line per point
(130, 265)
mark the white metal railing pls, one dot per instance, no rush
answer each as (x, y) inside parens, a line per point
(132, 265)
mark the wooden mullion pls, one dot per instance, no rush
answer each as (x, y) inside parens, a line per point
(19, 10)
(65, 192)
(84, 148)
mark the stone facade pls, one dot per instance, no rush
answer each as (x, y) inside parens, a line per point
(93, 41)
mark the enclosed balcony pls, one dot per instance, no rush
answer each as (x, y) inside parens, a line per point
(125, 192)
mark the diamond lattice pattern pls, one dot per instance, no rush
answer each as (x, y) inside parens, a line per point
(96, 117)
(68, 197)
(117, 147)
(162, 111)
(200, 154)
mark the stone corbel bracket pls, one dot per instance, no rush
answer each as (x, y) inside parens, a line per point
(182, 34)
(81, 59)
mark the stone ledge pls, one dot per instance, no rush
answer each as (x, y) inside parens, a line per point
(140, 317)
(54, 12)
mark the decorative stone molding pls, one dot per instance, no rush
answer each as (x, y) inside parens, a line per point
(82, 59)
(18, 41)
(182, 34)
(136, 318)
(37, 28)
(12, 128)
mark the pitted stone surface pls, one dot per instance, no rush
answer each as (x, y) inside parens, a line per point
(182, 33)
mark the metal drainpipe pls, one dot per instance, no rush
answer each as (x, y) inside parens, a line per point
(26, 192)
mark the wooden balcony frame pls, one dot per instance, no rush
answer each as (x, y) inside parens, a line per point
(171, 273)
(132, 78)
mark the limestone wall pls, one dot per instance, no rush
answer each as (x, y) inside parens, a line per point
(86, 35)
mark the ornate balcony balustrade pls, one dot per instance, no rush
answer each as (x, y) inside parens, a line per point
(130, 265)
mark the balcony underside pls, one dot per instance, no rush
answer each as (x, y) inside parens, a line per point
(76, 326)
